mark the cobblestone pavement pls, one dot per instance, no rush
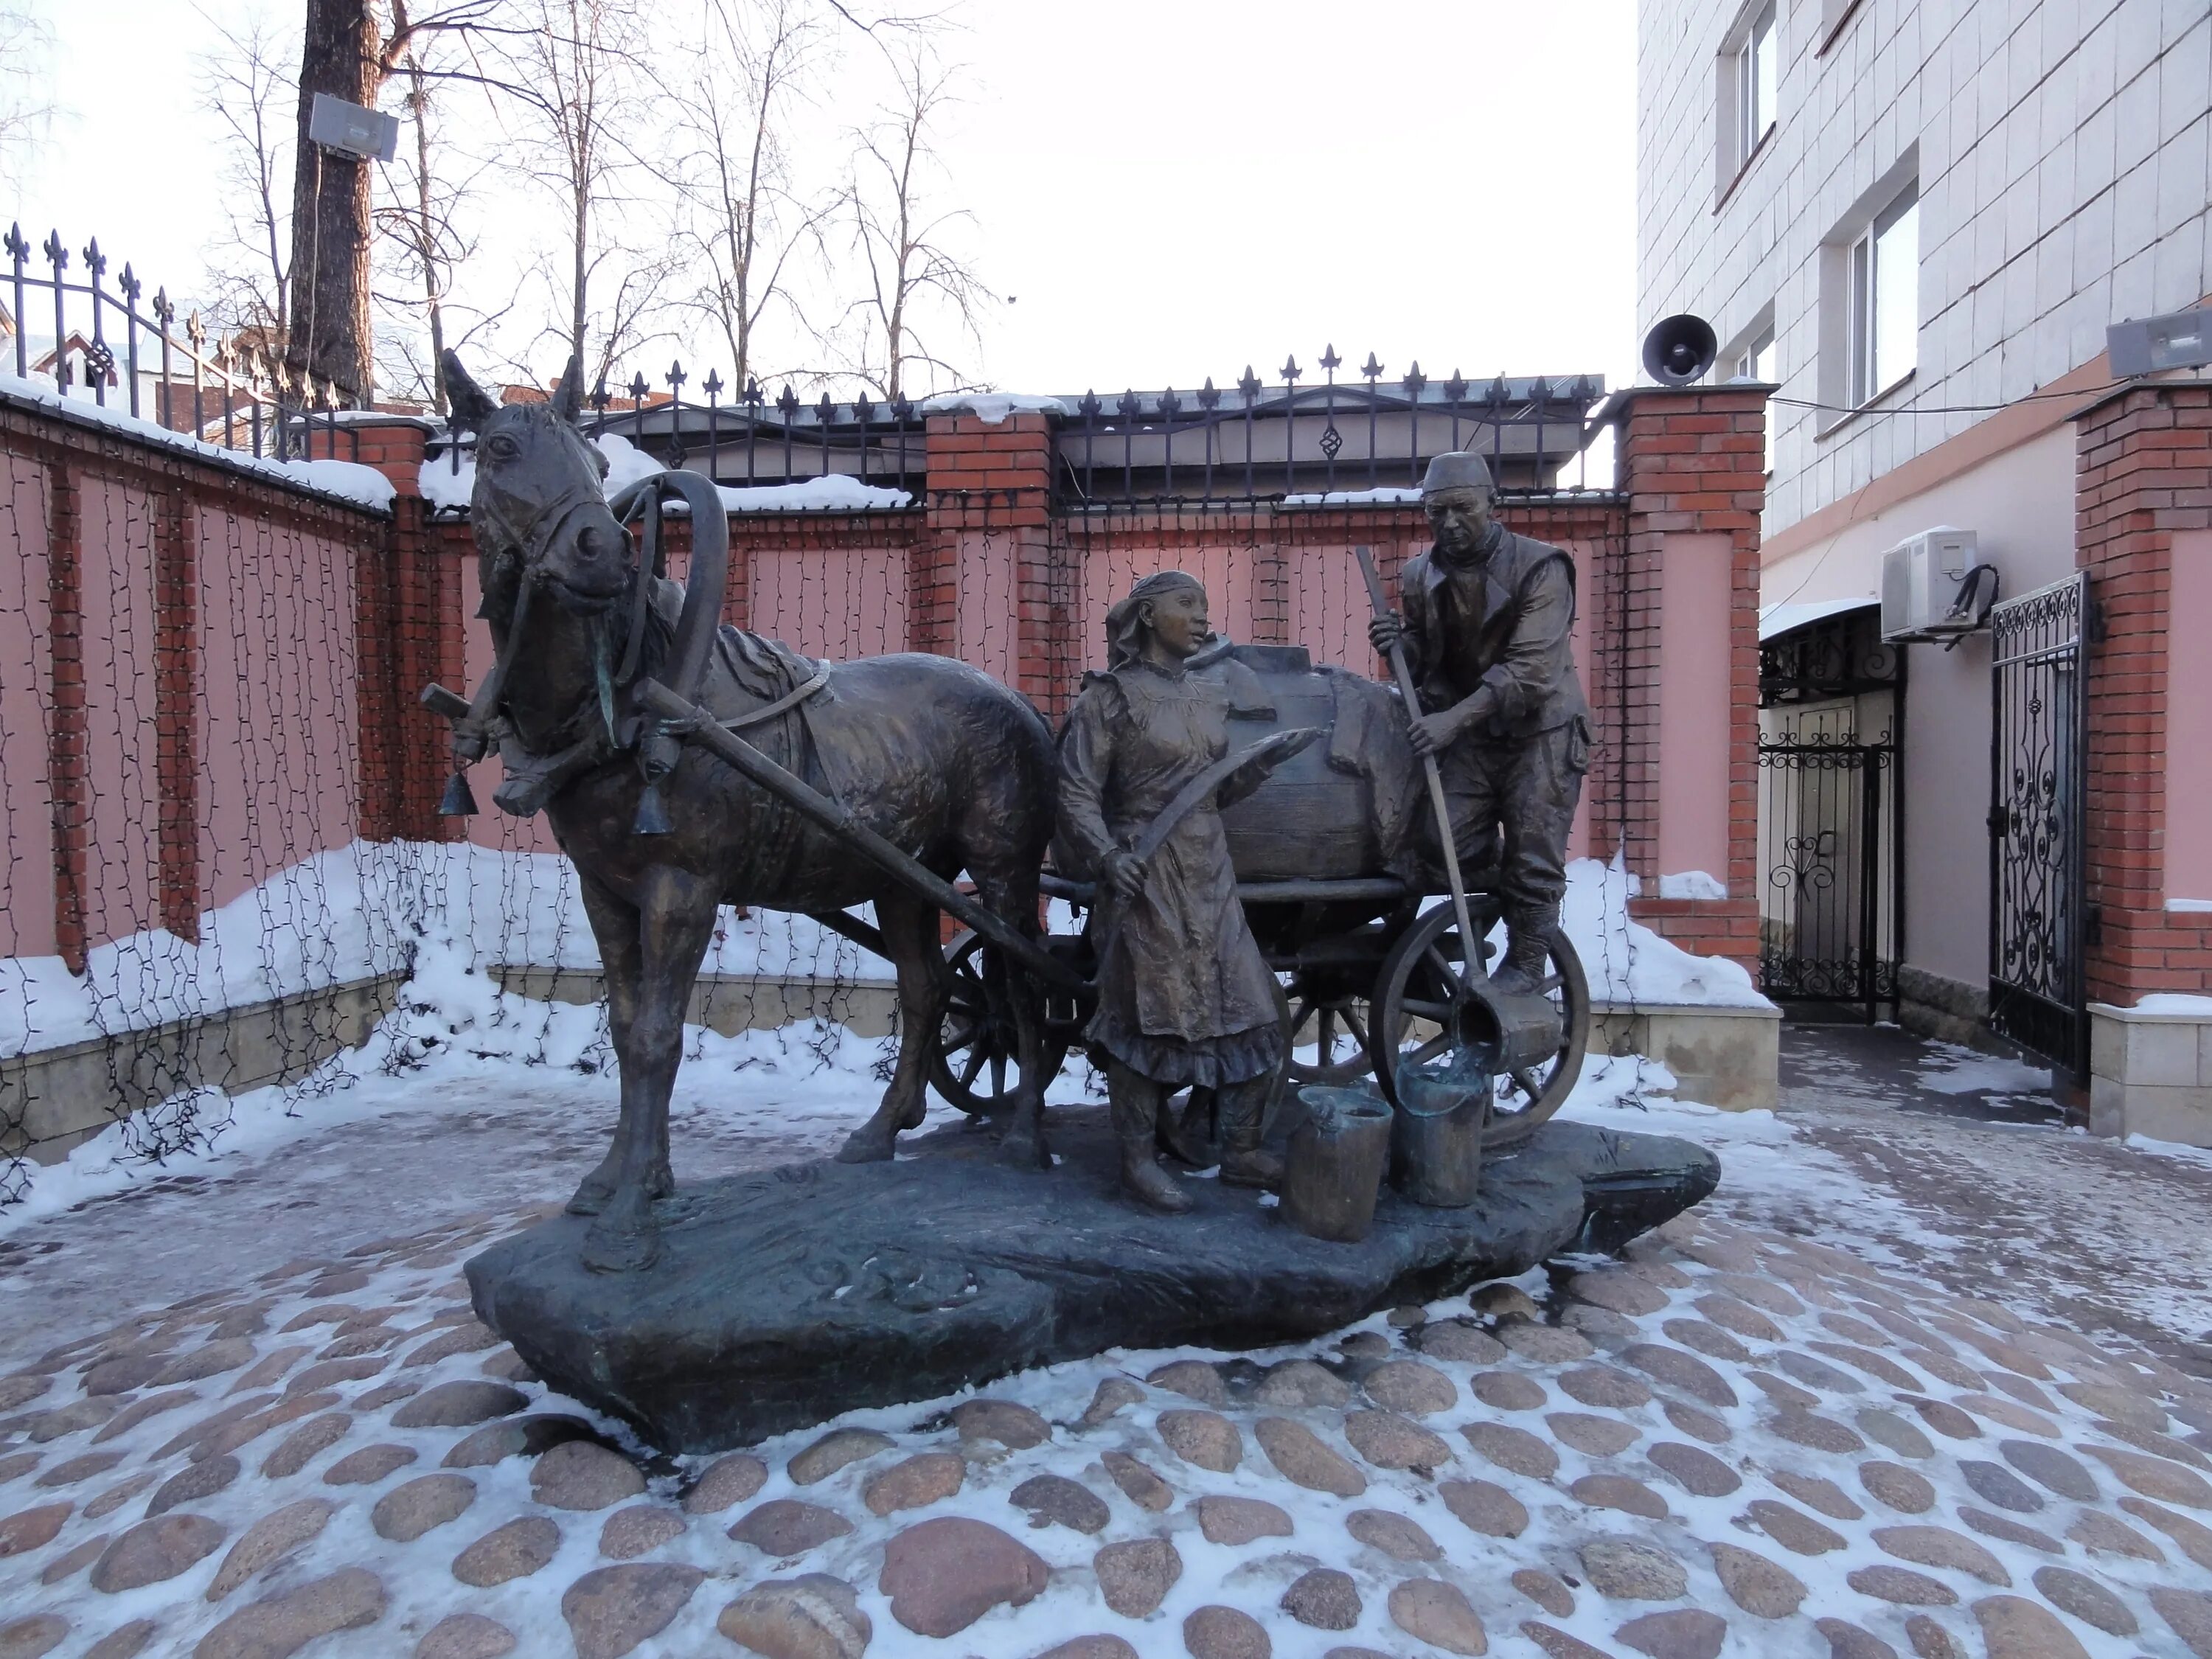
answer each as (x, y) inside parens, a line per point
(1785, 1425)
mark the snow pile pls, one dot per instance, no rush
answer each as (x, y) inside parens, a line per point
(357, 912)
(446, 481)
(1629, 964)
(992, 408)
(1692, 884)
(343, 481)
(2175, 1002)
(627, 464)
(1386, 495)
(835, 492)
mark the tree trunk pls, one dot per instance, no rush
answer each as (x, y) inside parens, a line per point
(329, 327)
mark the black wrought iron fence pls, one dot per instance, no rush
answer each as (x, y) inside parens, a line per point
(1251, 441)
(220, 388)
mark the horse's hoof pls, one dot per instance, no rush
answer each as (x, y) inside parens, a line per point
(863, 1147)
(1024, 1149)
(591, 1196)
(611, 1250)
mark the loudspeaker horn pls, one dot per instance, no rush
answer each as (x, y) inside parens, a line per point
(1678, 350)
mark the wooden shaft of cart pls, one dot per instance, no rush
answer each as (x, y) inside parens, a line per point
(1470, 947)
(839, 821)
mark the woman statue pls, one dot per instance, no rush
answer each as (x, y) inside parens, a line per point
(1185, 998)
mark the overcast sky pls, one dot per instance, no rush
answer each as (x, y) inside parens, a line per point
(1161, 189)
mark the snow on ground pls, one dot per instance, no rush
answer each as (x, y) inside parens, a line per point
(359, 911)
(1626, 963)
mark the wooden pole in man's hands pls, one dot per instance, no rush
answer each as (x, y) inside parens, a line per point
(1470, 947)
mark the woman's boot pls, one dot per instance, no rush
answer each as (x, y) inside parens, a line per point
(1244, 1162)
(1133, 1103)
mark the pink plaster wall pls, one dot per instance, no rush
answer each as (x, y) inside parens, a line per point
(122, 840)
(837, 602)
(278, 739)
(27, 876)
(2189, 720)
(1110, 565)
(1693, 705)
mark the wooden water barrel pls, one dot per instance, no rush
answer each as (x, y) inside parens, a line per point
(1312, 820)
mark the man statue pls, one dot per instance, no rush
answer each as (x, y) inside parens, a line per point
(1485, 633)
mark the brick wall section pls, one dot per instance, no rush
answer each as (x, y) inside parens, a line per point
(406, 634)
(1690, 462)
(2144, 461)
(66, 774)
(990, 495)
(176, 692)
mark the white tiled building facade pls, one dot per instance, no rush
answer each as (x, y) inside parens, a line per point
(1919, 220)
(2059, 151)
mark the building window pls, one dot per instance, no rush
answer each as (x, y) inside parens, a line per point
(1750, 72)
(1883, 325)
(1755, 76)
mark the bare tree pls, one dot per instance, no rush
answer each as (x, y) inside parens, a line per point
(245, 84)
(917, 286)
(418, 224)
(582, 60)
(26, 110)
(741, 219)
(348, 51)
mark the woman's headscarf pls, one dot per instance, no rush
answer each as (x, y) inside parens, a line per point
(1125, 626)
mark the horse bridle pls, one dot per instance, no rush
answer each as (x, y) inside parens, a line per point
(658, 750)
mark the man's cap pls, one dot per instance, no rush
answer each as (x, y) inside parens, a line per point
(1460, 470)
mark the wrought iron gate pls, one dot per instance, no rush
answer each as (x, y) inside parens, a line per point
(1830, 815)
(2037, 920)
(1828, 920)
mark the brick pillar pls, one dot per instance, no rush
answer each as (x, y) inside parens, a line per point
(67, 779)
(985, 583)
(2143, 532)
(176, 706)
(404, 609)
(1675, 651)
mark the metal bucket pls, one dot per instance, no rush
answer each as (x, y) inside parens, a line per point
(1335, 1165)
(1436, 1136)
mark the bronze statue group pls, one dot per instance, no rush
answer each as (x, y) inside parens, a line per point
(1185, 997)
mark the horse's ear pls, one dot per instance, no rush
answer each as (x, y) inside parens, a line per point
(568, 396)
(470, 404)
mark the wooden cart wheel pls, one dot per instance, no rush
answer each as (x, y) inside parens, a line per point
(1323, 1013)
(1414, 995)
(973, 1064)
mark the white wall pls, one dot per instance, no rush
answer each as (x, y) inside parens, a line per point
(2021, 504)
(2065, 178)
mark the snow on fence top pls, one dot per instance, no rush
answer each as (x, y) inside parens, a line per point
(447, 487)
(348, 482)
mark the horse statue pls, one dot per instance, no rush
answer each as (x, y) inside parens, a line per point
(932, 755)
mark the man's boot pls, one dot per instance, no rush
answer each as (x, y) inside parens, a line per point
(1134, 1104)
(1244, 1162)
(1528, 952)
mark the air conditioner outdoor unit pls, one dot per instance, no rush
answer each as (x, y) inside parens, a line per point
(1920, 583)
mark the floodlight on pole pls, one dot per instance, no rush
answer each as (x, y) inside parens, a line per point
(350, 129)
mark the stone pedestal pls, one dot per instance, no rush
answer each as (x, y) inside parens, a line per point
(788, 1296)
(2150, 1071)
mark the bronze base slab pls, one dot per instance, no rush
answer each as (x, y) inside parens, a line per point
(786, 1297)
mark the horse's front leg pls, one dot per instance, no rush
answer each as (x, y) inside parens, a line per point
(675, 920)
(1015, 899)
(614, 925)
(909, 930)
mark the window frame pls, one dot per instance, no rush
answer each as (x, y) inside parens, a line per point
(1868, 378)
(1747, 92)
